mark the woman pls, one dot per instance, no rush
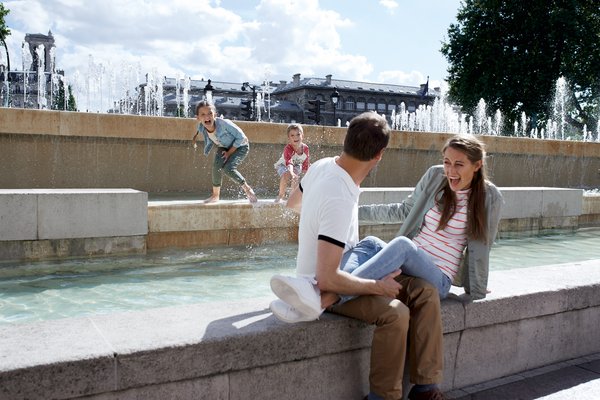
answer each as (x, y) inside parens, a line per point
(451, 219)
(232, 147)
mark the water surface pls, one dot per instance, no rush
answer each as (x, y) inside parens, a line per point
(77, 287)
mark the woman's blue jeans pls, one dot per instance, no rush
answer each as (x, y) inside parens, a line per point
(372, 258)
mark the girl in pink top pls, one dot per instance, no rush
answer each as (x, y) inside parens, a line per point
(294, 161)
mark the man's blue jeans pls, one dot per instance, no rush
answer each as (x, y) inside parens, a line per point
(372, 258)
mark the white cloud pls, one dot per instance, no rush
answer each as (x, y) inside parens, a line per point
(401, 77)
(390, 5)
(260, 39)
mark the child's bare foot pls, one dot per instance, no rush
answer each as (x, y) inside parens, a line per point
(250, 194)
(211, 199)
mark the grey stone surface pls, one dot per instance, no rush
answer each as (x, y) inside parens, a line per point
(324, 377)
(87, 213)
(532, 317)
(205, 350)
(209, 388)
(55, 359)
(383, 195)
(558, 202)
(39, 214)
(18, 215)
(575, 379)
(519, 202)
(535, 291)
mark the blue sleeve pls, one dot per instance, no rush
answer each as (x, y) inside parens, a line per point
(239, 138)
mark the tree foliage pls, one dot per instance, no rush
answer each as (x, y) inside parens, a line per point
(511, 53)
(60, 103)
(4, 32)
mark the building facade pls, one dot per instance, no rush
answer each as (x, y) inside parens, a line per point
(35, 84)
(294, 101)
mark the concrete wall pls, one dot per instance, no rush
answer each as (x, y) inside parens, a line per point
(57, 149)
(188, 224)
(47, 223)
(50, 223)
(238, 350)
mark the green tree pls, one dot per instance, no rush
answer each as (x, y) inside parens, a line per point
(71, 104)
(511, 53)
(4, 32)
(59, 100)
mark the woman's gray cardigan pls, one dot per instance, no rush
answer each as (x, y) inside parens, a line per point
(473, 272)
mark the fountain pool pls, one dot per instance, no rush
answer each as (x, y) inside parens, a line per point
(47, 290)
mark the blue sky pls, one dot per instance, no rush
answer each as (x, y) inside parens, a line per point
(390, 41)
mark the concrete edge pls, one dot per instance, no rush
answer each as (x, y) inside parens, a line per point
(136, 349)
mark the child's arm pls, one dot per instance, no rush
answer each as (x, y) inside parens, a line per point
(306, 162)
(288, 153)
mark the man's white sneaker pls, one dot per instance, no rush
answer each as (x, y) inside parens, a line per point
(298, 293)
(286, 313)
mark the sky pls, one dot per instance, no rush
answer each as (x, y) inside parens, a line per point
(379, 41)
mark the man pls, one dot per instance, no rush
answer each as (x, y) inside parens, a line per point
(333, 267)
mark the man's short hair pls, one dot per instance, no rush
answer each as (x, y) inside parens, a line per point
(367, 135)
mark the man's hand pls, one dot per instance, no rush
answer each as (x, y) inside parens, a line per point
(388, 285)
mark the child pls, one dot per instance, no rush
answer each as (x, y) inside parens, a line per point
(294, 160)
(232, 148)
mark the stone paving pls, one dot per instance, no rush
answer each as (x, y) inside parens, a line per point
(575, 379)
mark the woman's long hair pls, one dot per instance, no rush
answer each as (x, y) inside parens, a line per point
(474, 149)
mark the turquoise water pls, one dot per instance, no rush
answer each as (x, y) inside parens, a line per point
(58, 289)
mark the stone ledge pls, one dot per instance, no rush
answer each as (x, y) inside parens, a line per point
(40, 214)
(549, 314)
(64, 248)
(519, 202)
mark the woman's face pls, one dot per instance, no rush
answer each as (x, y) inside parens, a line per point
(206, 117)
(459, 169)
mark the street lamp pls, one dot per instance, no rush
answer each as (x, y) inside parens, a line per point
(246, 86)
(208, 92)
(335, 96)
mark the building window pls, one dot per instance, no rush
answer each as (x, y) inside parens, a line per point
(381, 107)
(411, 106)
(349, 104)
(360, 104)
(392, 107)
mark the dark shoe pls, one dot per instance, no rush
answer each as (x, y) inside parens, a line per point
(434, 394)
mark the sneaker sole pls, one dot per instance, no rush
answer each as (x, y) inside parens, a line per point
(288, 294)
(288, 320)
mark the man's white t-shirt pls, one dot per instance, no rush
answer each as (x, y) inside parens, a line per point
(329, 212)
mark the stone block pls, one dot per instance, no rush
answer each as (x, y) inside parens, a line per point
(383, 195)
(558, 202)
(80, 213)
(77, 360)
(521, 202)
(316, 378)
(18, 215)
